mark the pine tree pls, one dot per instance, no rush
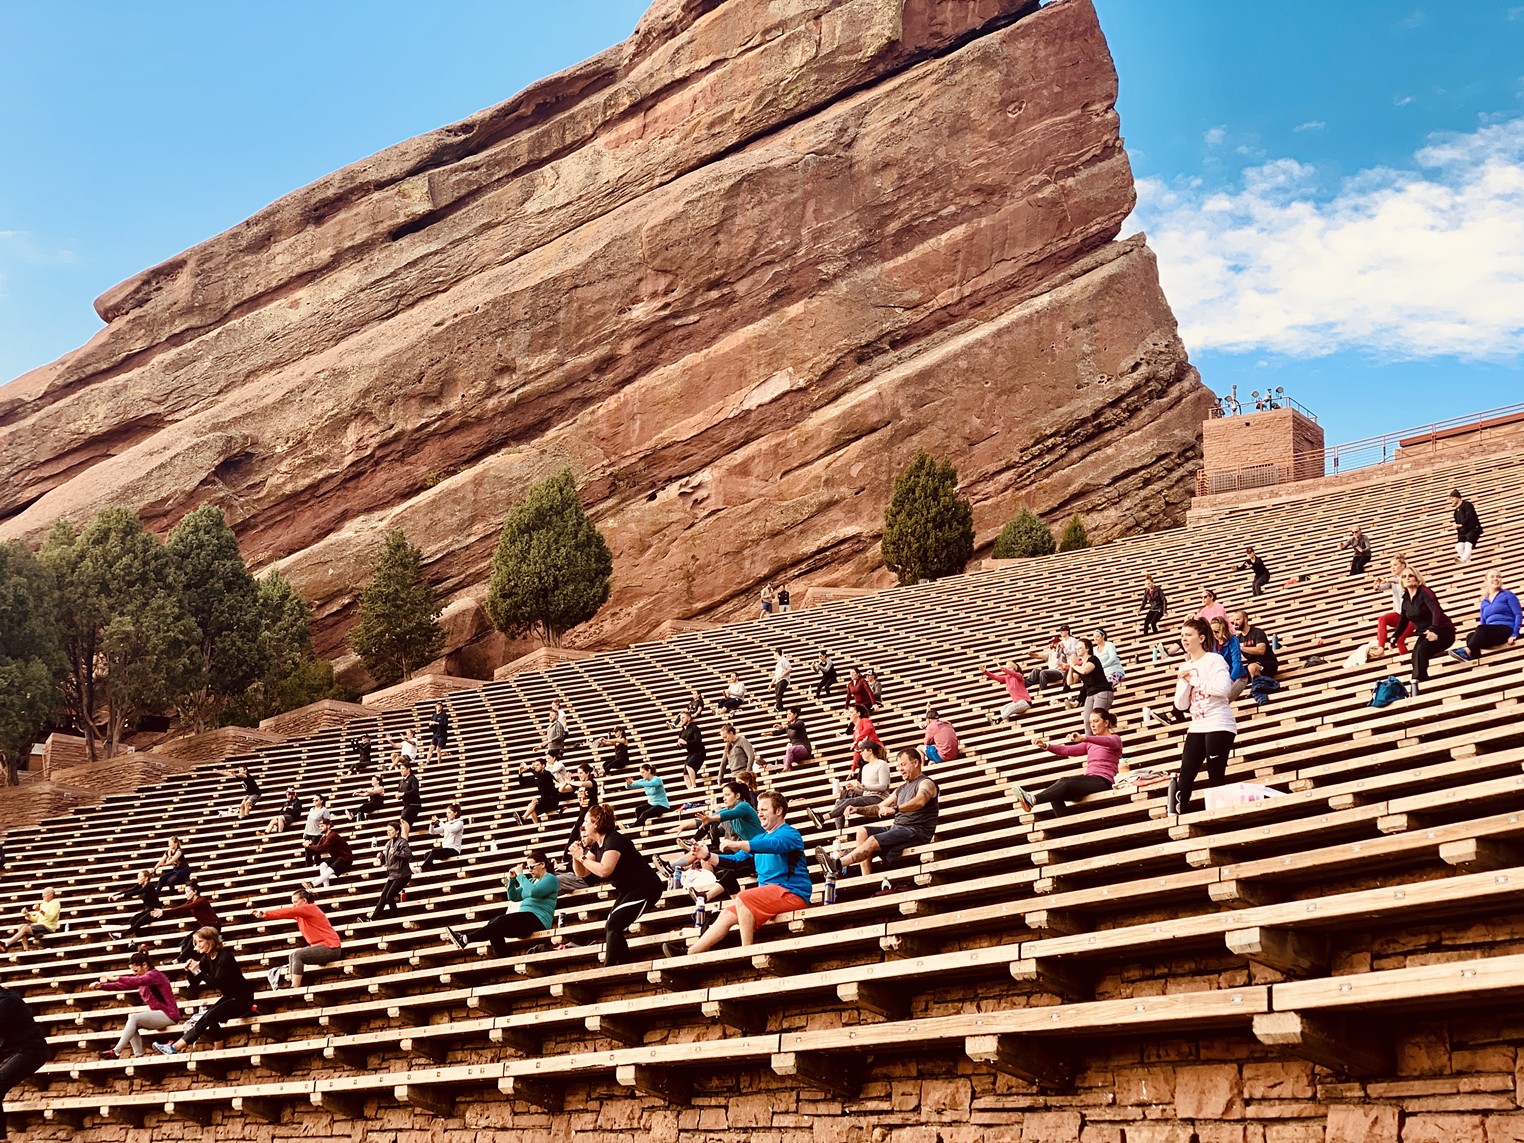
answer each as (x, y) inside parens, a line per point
(31, 654)
(1025, 535)
(928, 527)
(292, 676)
(551, 569)
(131, 645)
(1074, 538)
(220, 594)
(398, 629)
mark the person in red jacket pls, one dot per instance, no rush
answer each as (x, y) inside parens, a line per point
(322, 942)
(859, 691)
(863, 731)
(194, 905)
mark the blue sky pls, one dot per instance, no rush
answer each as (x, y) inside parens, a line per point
(1335, 191)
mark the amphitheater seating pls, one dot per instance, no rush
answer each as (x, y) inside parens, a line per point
(1412, 814)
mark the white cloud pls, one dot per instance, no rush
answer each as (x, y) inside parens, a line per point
(1422, 262)
(1310, 125)
(1214, 136)
(1402, 100)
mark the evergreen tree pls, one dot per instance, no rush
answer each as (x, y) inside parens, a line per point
(31, 654)
(291, 676)
(551, 569)
(1025, 535)
(131, 645)
(1074, 537)
(220, 594)
(928, 527)
(398, 629)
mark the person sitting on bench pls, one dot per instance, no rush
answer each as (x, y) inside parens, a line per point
(1102, 751)
(783, 877)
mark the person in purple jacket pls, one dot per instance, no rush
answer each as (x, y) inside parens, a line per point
(1498, 621)
(154, 987)
(1102, 751)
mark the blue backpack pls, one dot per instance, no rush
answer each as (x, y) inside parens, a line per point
(1387, 691)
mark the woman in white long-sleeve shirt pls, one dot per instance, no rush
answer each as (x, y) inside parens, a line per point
(1201, 690)
(452, 837)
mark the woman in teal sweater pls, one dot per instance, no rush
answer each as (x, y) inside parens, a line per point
(534, 887)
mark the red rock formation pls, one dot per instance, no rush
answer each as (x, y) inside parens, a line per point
(733, 271)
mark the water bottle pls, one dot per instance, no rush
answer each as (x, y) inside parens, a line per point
(1158, 652)
(700, 914)
(829, 897)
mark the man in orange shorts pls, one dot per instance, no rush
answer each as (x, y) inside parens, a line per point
(783, 878)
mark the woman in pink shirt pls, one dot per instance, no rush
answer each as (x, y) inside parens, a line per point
(154, 987)
(1015, 687)
(1102, 751)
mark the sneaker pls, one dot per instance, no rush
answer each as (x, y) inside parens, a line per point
(110, 1054)
(456, 939)
(1024, 798)
(814, 819)
(828, 861)
(1456, 652)
(663, 866)
(671, 950)
(165, 1048)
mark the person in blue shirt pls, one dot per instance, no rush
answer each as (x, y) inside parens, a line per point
(783, 877)
(656, 794)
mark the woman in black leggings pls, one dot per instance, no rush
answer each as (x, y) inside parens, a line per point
(1201, 691)
(605, 852)
(212, 966)
(535, 888)
(1420, 611)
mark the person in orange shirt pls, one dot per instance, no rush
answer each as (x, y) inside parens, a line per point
(322, 942)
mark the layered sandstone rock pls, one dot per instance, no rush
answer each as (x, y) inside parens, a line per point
(733, 272)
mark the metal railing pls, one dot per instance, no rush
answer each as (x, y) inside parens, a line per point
(1232, 405)
(1355, 455)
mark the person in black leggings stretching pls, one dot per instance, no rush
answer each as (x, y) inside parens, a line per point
(212, 966)
(534, 886)
(605, 852)
(1201, 691)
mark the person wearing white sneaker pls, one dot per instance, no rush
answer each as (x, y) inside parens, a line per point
(323, 944)
(211, 966)
(1201, 688)
(1468, 527)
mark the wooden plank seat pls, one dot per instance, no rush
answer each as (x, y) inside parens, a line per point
(1290, 937)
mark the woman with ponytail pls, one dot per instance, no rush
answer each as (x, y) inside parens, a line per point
(156, 991)
(1201, 691)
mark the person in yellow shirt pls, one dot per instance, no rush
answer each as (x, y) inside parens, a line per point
(37, 922)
